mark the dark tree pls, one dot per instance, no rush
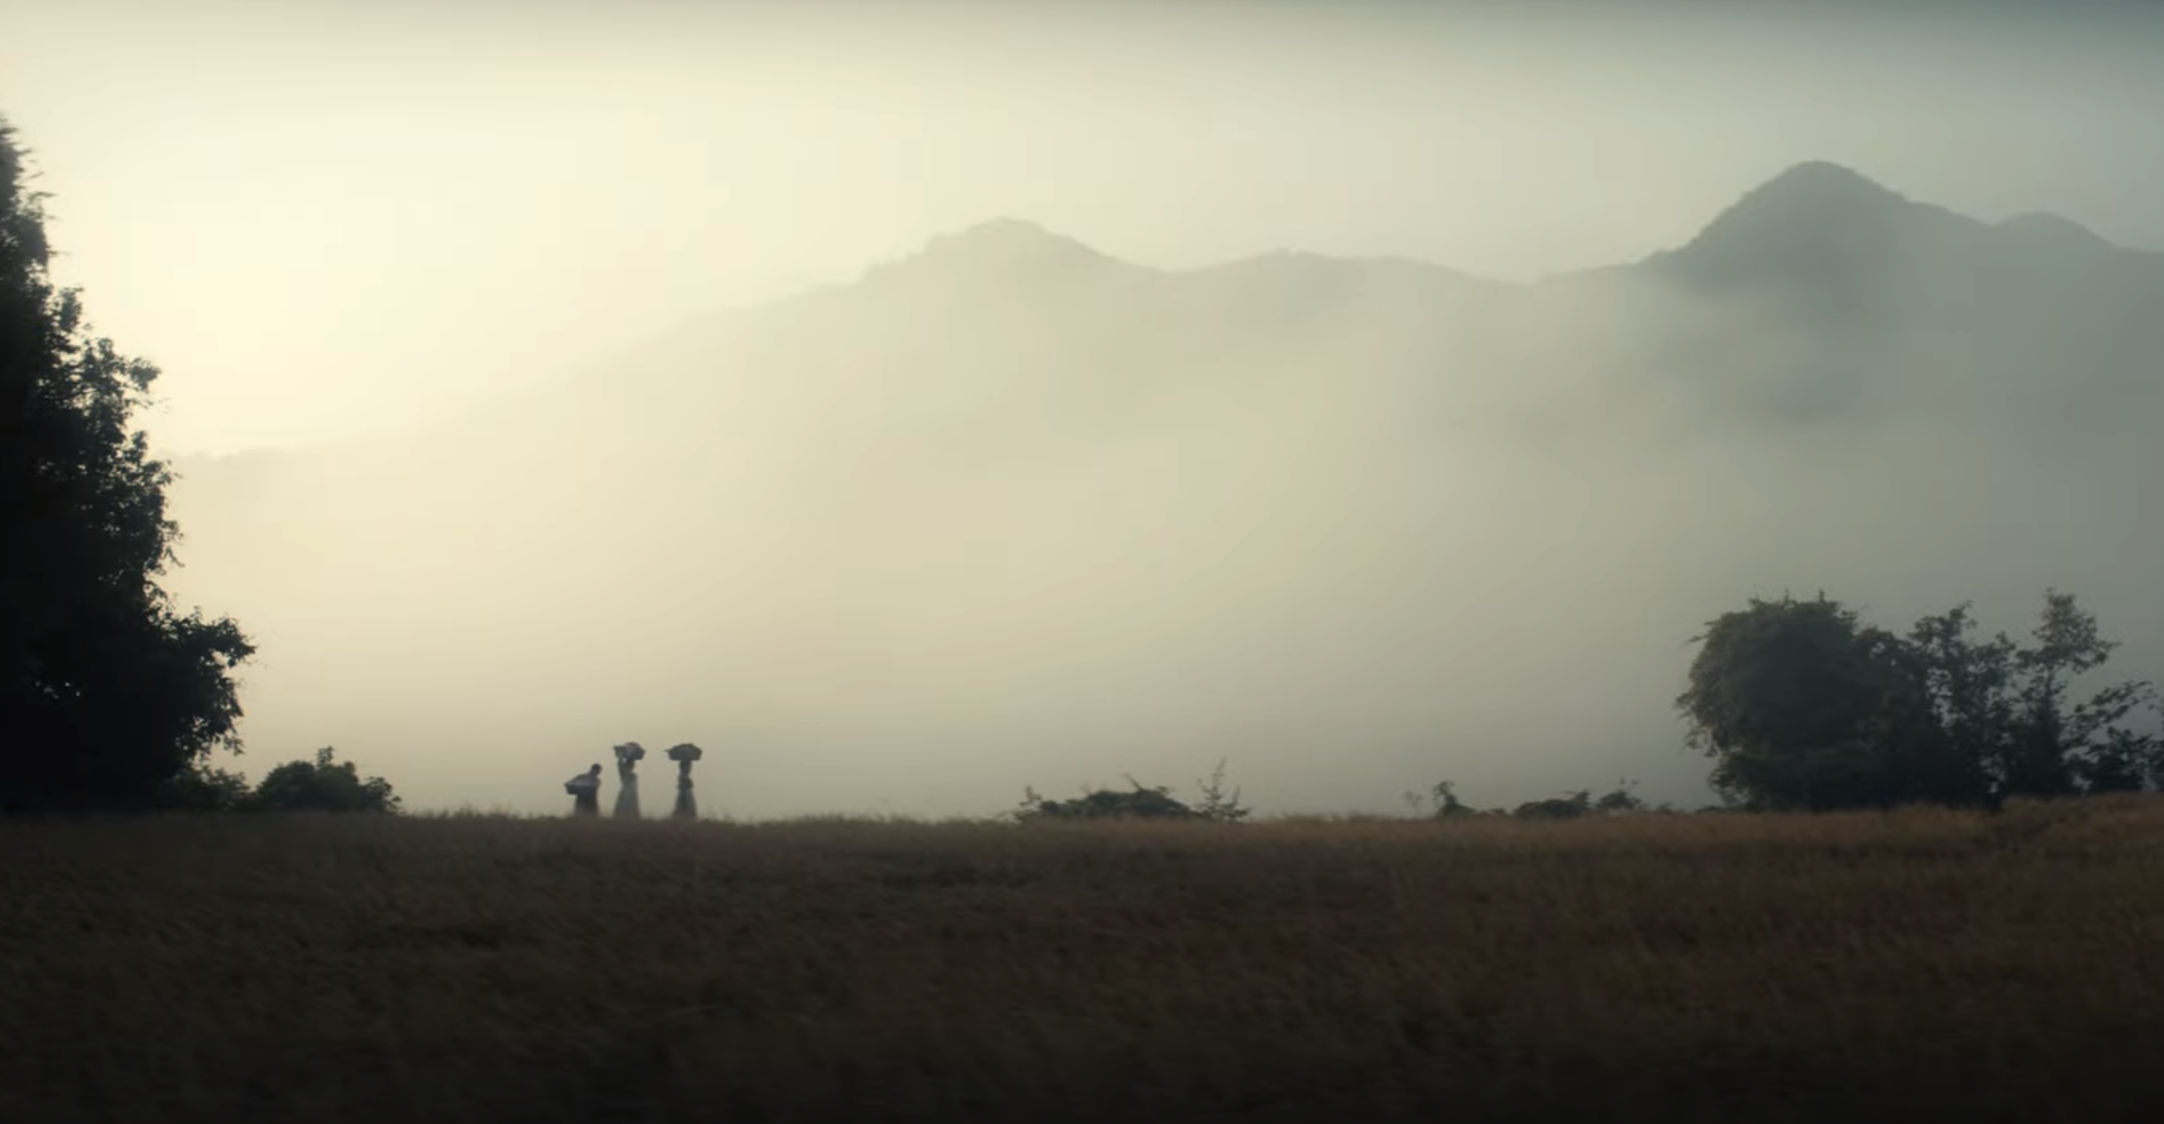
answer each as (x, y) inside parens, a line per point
(1787, 697)
(1966, 685)
(202, 787)
(322, 785)
(1802, 707)
(107, 693)
(2054, 744)
(2011, 710)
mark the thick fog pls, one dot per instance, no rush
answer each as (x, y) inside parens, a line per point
(545, 381)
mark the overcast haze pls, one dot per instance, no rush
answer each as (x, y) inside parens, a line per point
(1049, 503)
(411, 204)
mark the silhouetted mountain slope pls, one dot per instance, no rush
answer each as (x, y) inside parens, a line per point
(1820, 297)
(2052, 234)
(1820, 229)
(1885, 302)
(1003, 252)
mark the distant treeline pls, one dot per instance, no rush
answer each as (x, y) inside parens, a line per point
(1802, 707)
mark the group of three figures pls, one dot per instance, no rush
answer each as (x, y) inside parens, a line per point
(585, 789)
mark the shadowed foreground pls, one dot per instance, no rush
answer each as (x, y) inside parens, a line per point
(1922, 965)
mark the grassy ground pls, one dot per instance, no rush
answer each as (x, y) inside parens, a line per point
(1915, 966)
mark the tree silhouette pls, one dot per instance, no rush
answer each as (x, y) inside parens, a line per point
(1156, 803)
(322, 785)
(1803, 707)
(1781, 696)
(203, 787)
(106, 692)
(2011, 709)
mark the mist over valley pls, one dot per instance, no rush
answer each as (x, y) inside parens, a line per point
(1009, 511)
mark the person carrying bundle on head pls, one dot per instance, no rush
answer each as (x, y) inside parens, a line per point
(687, 805)
(628, 756)
(585, 790)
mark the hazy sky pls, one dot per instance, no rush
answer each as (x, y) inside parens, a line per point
(324, 219)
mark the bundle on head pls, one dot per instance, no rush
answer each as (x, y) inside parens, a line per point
(630, 751)
(685, 751)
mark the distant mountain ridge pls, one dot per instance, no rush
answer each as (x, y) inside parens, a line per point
(1813, 215)
(1833, 242)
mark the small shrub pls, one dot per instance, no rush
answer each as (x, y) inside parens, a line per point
(1567, 808)
(1138, 803)
(1621, 799)
(1440, 802)
(1216, 805)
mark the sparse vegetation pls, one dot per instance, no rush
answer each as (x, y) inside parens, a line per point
(1139, 802)
(1922, 964)
(1216, 803)
(1442, 802)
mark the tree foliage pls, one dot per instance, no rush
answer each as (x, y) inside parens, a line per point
(203, 787)
(107, 692)
(1803, 707)
(322, 785)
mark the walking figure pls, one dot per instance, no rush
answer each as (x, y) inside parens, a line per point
(685, 755)
(628, 756)
(585, 790)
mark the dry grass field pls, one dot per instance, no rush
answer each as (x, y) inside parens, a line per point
(1915, 966)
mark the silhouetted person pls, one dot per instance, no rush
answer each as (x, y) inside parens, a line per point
(585, 790)
(685, 755)
(628, 756)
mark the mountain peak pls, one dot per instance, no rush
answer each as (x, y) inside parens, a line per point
(998, 250)
(1823, 181)
(1817, 222)
(1814, 196)
(1009, 241)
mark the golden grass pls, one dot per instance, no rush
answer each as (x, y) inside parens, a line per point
(1921, 965)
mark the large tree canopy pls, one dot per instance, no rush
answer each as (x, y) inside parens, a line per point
(106, 691)
(1803, 707)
